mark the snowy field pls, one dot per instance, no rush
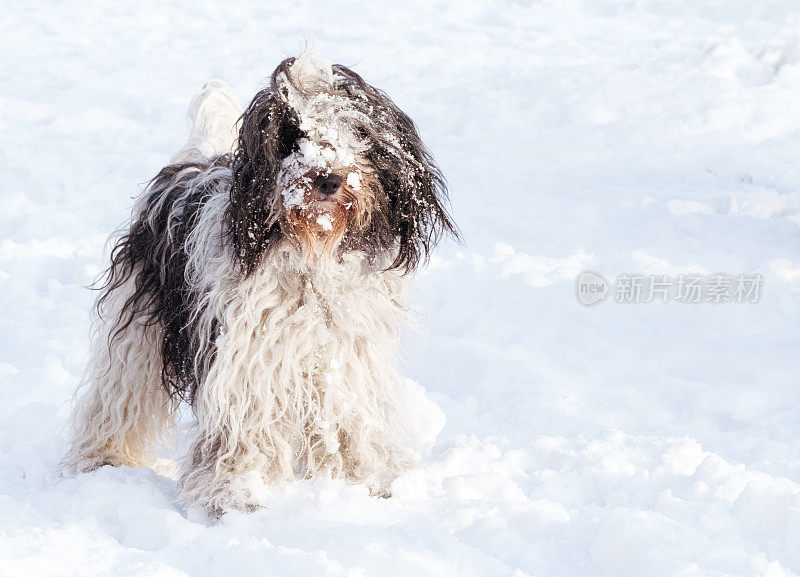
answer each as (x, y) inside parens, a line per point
(622, 137)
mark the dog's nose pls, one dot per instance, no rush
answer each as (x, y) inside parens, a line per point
(327, 184)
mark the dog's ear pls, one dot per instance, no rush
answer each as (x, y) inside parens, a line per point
(268, 133)
(416, 191)
(415, 216)
(417, 199)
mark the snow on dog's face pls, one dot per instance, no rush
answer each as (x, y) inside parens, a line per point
(326, 183)
(331, 163)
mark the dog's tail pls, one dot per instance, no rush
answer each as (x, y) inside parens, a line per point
(213, 117)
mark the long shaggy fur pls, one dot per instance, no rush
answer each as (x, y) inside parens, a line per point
(246, 288)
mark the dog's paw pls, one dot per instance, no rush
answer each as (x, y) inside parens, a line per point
(380, 492)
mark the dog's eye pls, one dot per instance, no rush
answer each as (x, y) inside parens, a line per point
(289, 134)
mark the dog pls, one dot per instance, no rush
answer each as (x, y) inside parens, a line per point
(262, 281)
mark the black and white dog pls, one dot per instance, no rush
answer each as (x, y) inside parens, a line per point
(261, 279)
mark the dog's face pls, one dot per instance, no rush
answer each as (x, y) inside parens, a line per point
(326, 187)
(331, 163)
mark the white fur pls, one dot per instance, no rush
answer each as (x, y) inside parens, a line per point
(304, 382)
(213, 116)
(124, 413)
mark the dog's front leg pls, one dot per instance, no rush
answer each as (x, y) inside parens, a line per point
(233, 455)
(240, 444)
(220, 475)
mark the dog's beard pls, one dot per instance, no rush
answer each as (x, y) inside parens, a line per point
(319, 225)
(319, 221)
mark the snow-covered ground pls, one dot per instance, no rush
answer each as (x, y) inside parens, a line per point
(651, 137)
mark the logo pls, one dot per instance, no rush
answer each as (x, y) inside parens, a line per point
(591, 287)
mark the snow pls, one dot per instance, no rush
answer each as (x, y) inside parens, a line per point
(641, 137)
(354, 180)
(324, 221)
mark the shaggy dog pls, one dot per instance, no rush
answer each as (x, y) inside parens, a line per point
(262, 281)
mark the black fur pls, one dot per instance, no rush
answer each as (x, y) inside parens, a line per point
(267, 136)
(153, 251)
(416, 217)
